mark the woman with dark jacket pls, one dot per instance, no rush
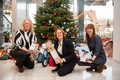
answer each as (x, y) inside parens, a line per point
(65, 50)
(22, 41)
(94, 43)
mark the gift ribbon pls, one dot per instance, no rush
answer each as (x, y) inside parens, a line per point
(84, 52)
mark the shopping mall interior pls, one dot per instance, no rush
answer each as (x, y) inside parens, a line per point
(103, 14)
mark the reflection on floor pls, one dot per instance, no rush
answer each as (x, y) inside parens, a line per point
(8, 71)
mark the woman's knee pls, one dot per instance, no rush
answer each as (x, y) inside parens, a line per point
(31, 66)
(62, 73)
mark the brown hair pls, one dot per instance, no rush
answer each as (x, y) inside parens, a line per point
(31, 26)
(55, 33)
(90, 26)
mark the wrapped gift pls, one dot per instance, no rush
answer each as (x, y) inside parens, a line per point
(50, 48)
(84, 53)
(34, 47)
(3, 55)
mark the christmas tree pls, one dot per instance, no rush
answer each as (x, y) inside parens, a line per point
(55, 14)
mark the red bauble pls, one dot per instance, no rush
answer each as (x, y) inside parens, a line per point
(72, 31)
(66, 8)
(54, 14)
(67, 18)
(47, 36)
(54, 29)
(34, 32)
(75, 35)
(77, 26)
(46, 24)
(52, 2)
(71, 15)
(39, 43)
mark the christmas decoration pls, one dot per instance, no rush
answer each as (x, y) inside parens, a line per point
(75, 35)
(72, 31)
(50, 21)
(52, 2)
(67, 18)
(39, 43)
(47, 36)
(41, 34)
(54, 29)
(77, 26)
(55, 14)
(67, 30)
(46, 24)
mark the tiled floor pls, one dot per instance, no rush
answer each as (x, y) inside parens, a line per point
(8, 71)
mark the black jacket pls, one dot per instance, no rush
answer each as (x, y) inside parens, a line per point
(67, 51)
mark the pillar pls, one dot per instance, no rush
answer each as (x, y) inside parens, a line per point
(116, 37)
(1, 22)
(20, 11)
(80, 14)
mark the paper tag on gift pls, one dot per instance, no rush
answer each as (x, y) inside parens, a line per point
(83, 58)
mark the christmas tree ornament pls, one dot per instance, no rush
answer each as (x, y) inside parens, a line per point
(66, 8)
(75, 35)
(71, 15)
(52, 2)
(61, 4)
(77, 26)
(67, 18)
(46, 24)
(35, 32)
(64, 22)
(67, 30)
(52, 24)
(72, 31)
(47, 36)
(41, 34)
(39, 43)
(54, 29)
(62, 27)
(54, 14)
(50, 21)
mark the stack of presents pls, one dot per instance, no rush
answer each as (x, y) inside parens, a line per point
(108, 46)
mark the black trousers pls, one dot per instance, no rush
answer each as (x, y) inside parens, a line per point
(86, 64)
(22, 58)
(64, 69)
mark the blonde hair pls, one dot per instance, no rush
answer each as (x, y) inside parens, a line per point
(55, 33)
(31, 26)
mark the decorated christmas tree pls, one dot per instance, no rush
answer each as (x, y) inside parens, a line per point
(55, 14)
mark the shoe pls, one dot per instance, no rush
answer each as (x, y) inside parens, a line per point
(55, 70)
(20, 70)
(91, 68)
(100, 68)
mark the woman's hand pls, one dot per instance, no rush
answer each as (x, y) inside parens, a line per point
(88, 61)
(31, 57)
(31, 51)
(62, 60)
